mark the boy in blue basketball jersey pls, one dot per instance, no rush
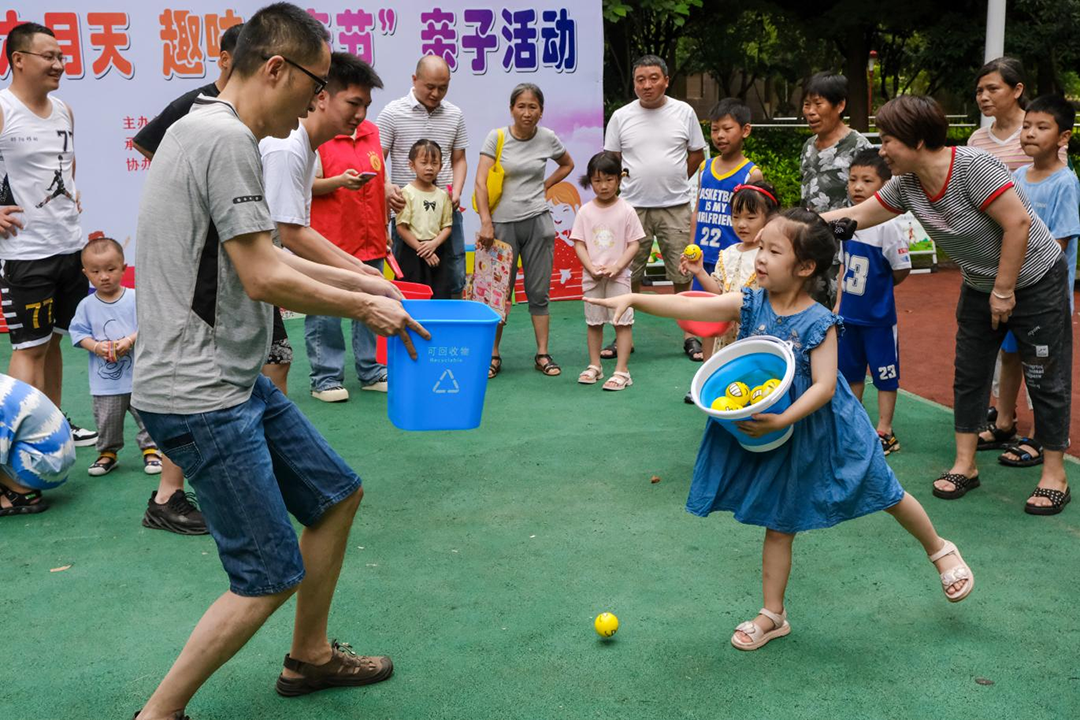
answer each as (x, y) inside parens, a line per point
(710, 225)
(875, 260)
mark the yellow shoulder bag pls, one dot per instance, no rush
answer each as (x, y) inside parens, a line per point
(494, 178)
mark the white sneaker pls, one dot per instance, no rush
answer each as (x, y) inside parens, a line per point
(83, 437)
(334, 394)
(377, 386)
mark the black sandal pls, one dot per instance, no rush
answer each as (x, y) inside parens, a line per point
(1027, 459)
(692, 347)
(610, 352)
(550, 368)
(22, 503)
(1058, 501)
(1002, 438)
(961, 485)
(495, 366)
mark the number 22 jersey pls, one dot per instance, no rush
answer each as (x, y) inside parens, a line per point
(714, 232)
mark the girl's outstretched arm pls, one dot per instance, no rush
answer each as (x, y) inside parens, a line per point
(721, 308)
(820, 392)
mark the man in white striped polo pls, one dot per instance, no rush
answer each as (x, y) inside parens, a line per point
(424, 113)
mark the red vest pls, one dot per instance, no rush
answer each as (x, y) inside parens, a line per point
(354, 220)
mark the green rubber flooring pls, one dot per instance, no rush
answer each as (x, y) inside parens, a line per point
(479, 560)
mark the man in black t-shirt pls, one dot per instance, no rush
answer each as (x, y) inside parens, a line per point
(148, 139)
(170, 508)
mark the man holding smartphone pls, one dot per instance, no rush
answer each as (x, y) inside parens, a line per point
(349, 210)
(289, 167)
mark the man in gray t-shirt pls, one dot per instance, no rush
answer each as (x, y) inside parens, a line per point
(209, 274)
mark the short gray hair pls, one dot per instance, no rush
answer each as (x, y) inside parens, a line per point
(651, 61)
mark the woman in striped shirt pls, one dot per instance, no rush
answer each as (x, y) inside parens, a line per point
(1013, 279)
(999, 91)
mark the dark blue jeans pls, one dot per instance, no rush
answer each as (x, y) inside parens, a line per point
(252, 465)
(1042, 325)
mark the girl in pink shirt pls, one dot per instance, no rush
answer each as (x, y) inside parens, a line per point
(606, 236)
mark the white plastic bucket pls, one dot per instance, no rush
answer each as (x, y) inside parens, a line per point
(752, 361)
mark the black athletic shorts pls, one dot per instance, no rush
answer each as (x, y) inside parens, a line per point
(40, 297)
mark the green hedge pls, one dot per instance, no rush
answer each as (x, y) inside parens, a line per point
(777, 150)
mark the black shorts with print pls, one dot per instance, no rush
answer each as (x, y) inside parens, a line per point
(40, 297)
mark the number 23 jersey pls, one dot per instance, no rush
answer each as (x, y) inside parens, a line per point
(870, 258)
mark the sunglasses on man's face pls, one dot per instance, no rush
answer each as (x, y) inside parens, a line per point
(320, 82)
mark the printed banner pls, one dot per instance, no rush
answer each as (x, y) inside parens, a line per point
(124, 61)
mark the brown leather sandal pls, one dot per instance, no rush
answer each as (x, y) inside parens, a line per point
(344, 669)
(549, 368)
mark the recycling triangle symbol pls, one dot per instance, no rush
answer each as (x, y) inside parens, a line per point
(447, 384)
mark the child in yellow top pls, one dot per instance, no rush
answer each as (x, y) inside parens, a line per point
(425, 222)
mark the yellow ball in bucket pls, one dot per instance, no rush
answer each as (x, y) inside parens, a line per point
(738, 393)
(606, 624)
(771, 384)
(692, 253)
(725, 403)
(759, 393)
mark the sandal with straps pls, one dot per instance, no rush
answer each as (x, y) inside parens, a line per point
(692, 347)
(495, 366)
(618, 381)
(1026, 458)
(1001, 438)
(590, 375)
(1058, 501)
(954, 575)
(759, 637)
(961, 485)
(22, 503)
(344, 669)
(550, 368)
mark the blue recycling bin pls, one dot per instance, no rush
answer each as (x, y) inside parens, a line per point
(444, 388)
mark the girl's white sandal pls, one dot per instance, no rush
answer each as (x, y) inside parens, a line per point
(590, 375)
(758, 636)
(954, 575)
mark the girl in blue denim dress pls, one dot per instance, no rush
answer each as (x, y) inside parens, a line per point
(832, 468)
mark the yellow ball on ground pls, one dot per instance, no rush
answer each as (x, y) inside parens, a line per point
(692, 253)
(738, 392)
(606, 624)
(724, 403)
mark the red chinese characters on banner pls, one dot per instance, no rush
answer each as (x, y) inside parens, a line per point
(65, 25)
(108, 36)
(182, 53)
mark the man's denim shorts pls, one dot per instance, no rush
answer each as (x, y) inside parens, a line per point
(251, 466)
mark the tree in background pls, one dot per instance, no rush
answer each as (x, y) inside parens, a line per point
(633, 28)
(756, 48)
